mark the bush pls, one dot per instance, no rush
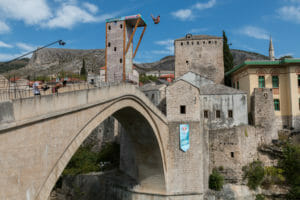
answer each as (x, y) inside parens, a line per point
(273, 175)
(85, 160)
(254, 172)
(260, 197)
(216, 180)
(290, 163)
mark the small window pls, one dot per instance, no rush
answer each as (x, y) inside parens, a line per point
(182, 110)
(121, 60)
(187, 62)
(230, 114)
(203, 42)
(187, 43)
(261, 81)
(298, 80)
(121, 26)
(218, 114)
(215, 42)
(152, 96)
(233, 84)
(109, 27)
(205, 113)
(275, 82)
(181, 43)
(276, 104)
(115, 48)
(108, 44)
(232, 154)
(209, 42)
(238, 85)
(192, 43)
(198, 42)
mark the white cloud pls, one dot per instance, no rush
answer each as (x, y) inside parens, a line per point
(5, 45)
(25, 47)
(168, 45)
(189, 13)
(255, 32)
(4, 28)
(183, 14)
(68, 16)
(8, 57)
(290, 13)
(209, 4)
(91, 7)
(29, 11)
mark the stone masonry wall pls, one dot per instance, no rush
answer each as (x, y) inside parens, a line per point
(231, 149)
(262, 109)
(204, 57)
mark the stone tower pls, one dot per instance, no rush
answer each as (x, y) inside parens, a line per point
(202, 54)
(119, 52)
(271, 50)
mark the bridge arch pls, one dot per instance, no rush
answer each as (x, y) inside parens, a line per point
(145, 142)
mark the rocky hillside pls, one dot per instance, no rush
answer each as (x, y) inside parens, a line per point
(4, 67)
(168, 63)
(51, 61)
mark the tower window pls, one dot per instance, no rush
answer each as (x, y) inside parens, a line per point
(298, 80)
(215, 42)
(232, 154)
(261, 81)
(108, 44)
(181, 43)
(192, 43)
(275, 81)
(276, 104)
(187, 62)
(115, 48)
(109, 27)
(205, 113)
(152, 96)
(182, 110)
(203, 42)
(121, 60)
(121, 26)
(209, 42)
(238, 85)
(198, 42)
(230, 114)
(218, 114)
(187, 43)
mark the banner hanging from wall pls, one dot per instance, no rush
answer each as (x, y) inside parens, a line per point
(184, 137)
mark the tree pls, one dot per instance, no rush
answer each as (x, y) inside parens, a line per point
(228, 59)
(216, 181)
(83, 72)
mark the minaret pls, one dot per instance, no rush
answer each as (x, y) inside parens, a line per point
(271, 50)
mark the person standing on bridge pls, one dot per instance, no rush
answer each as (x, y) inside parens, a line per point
(36, 90)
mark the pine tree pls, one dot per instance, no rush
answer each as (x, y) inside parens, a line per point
(83, 72)
(228, 59)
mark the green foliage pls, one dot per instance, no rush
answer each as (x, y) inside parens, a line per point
(285, 57)
(42, 78)
(290, 163)
(228, 59)
(147, 79)
(85, 160)
(83, 72)
(216, 181)
(273, 175)
(254, 172)
(260, 197)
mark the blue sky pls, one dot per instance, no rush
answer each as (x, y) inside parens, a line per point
(28, 24)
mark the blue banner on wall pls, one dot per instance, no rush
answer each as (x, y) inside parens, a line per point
(184, 137)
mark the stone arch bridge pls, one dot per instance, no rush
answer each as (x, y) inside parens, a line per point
(39, 135)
